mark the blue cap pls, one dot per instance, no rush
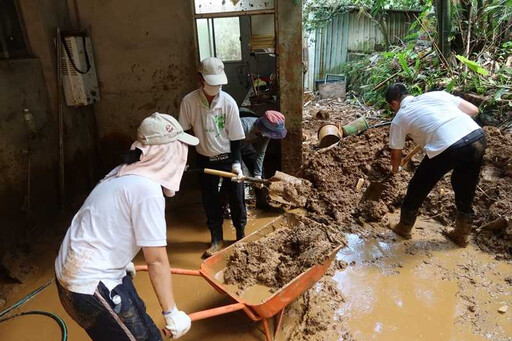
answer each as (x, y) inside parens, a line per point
(275, 131)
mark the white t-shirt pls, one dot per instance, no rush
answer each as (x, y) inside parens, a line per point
(120, 216)
(433, 120)
(215, 125)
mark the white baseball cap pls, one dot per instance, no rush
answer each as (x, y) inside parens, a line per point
(162, 129)
(212, 70)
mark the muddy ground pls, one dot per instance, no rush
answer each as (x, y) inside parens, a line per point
(335, 173)
(335, 201)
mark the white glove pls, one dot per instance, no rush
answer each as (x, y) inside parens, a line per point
(237, 169)
(257, 184)
(177, 322)
(130, 270)
(398, 171)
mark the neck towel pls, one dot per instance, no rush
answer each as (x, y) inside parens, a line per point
(163, 163)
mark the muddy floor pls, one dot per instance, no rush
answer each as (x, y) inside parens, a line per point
(188, 237)
(379, 287)
(462, 290)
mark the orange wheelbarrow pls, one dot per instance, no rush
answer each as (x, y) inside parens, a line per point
(259, 307)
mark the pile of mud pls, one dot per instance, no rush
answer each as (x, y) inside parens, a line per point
(274, 260)
(335, 174)
(335, 198)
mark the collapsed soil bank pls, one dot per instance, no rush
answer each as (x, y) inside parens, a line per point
(274, 260)
(335, 173)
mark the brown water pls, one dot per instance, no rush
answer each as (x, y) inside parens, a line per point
(415, 291)
(253, 295)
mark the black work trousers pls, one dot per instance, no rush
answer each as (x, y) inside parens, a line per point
(212, 199)
(465, 159)
(249, 155)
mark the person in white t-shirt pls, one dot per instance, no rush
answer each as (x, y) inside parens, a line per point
(123, 214)
(443, 126)
(214, 118)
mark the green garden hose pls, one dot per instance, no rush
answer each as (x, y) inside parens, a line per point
(62, 325)
(60, 321)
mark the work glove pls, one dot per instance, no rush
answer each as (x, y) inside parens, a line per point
(258, 184)
(176, 322)
(237, 169)
(130, 270)
(398, 171)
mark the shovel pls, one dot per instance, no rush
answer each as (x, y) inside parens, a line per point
(374, 191)
(283, 189)
(233, 176)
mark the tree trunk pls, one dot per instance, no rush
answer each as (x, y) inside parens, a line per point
(443, 25)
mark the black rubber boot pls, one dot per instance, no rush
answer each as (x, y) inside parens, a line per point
(460, 234)
(240, 233)
(216, 245)
(405, 225)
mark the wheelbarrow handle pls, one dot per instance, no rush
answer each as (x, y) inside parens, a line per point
(174, 271)
(204, 314)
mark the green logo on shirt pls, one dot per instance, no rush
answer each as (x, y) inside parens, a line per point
(220, 121)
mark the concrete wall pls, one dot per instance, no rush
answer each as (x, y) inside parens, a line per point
(31, 83)
(22, 86)
(145, 59)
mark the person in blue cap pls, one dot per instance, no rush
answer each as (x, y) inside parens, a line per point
(258, 133)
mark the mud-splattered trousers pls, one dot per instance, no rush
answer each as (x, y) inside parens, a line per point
(249, 157)
(464, 157)
(105, 321)
(212, 202)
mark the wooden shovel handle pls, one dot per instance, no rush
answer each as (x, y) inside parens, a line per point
(410, 155)
(233, 175)
(219, 173)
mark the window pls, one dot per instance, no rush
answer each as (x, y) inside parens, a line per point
(218, 6)
(12, 42)
(219, 37)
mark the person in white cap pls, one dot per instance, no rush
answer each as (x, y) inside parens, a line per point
(124, 213)
(213, 117)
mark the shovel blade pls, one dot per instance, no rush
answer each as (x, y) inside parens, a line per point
(288, 191)
(373, 192)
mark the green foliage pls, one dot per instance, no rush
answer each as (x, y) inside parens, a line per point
(422, 72)
(473, 65)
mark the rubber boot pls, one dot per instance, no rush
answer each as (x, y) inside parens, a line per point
(216, 245)
(405, 225)
(460, 234)
(240, 233)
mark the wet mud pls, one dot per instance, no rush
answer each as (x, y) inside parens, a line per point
(336, 197)
(296, 244)
(447, 292)
(391, 289)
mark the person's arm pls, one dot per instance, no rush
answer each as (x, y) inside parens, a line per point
(468, 108)
(236, 150)
(396, 159)
(184, 116)
(397, 136)
(160, 275)
(261, 149)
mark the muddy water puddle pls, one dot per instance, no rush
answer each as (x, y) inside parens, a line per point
(253, 295)
(424, 289)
